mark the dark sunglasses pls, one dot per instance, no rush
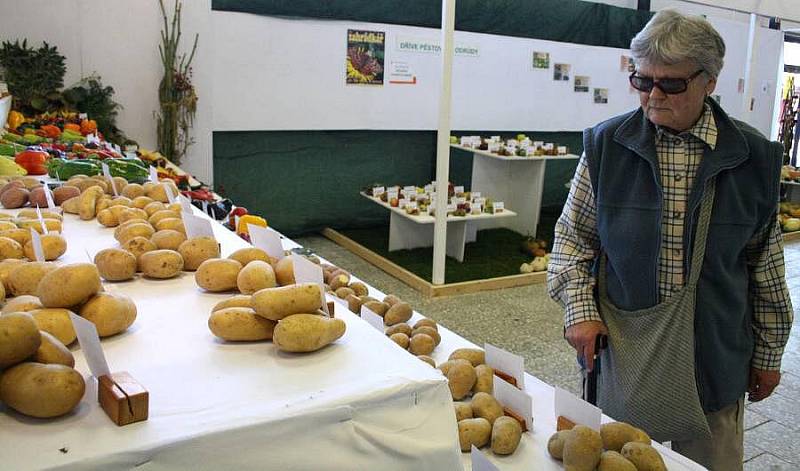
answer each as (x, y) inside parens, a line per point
(670, 86)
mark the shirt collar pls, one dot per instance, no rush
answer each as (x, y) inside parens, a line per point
(704, 129)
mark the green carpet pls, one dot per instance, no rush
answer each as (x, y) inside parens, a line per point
(495, 253)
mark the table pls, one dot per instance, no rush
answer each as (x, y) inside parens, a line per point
(360, 403)
(517, 181)
(409, 232)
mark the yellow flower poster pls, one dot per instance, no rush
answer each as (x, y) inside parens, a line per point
(365, 57)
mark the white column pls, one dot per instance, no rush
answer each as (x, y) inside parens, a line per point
(443, 142)
(750, 71)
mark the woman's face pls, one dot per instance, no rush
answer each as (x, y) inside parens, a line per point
(677, 111)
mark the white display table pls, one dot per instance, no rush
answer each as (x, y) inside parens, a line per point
(517, 181)
(409, 232)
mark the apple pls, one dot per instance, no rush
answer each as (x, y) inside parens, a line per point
(521, 137)
(394, 202)
(453, 139)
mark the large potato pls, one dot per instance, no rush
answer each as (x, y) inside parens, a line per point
(10, 248)
(239, 300)
(141, 202)
(240, 324)
(460, 378)
(129, 214)
(40, 390)
(582, 449)
(474, 432)
(154, 207)
(115, 264)
(20, 235)
(168, 239)
(52, 351)
(217, 274)
(475, 356)
(159, 216)
(69, 285)
(87, 206)
(277, 303)
(52, 225)
(399, 312)
(107, 218)
(197, 250)
(72, 205)
(421, 344)
(25, 278)
(6, 266)
(485, 379)
(555, 445)
(161, 264)
(644, 457)
(133, 191)
(616, 434)
(6, 225)
(250, 254)
(159, 193)
(135, 230)
(63, 193)
(486, 406)
(110, 313)
(55, 321)
(613, 461)
(24, 303)
(53, 246)
(506, 434)
(463, 411)
(255, 276)
(118, 230)
(19, 338)
(307, 332)
(120, 201)
(284, 271)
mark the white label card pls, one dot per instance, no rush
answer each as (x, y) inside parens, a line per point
(493, 147)
(51, 204)
(171, 196)
(576, 409)
(41, 221)
(498, 207)
(518, 401)
(186, 204)
(372, 319)
(480, 462)
(409, 190)
(153, 175)
(197, 226)
(267, 240)
(392, 195)
(475, 195)
(562, 150)
(458, 189)
(306, 271)
(477, 208)
(507, 362)
(36, 241)
(378, 190)
(90, 345)
(107, 174)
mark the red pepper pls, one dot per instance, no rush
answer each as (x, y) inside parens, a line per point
(33, 160)
(51, 131)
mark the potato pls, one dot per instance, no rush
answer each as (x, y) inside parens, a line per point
(344, 292)
(237, 324)
(37, 197)
(52, 351)
(255, 276)
(132, 190)
(6, 225)
(135, 230)
(485, 379)
(20, 235)
(128, 214)
(197, 250)
(14, 198)
(463, 411)
(139, 246)
(19, 338)
(30, 182)
(250, 254)
(555, 445)
(120, 201)
(506, 434)
(102, 204)
(644, 457)
(277, 303)
(486, 406)
(10, 248)
(88, 202)
(427, 360)
(141, 202)
(433, 333)
(123, 225)
(400, 339)
(55, 321)
(460, 377)
(115, 264)
(159, 193)
(473, 432)
(391, 299)
(24, 303)
(161, 264)
(217, 274)
(159, 216)
(426, 323)
(25, 278)
(110, 313)
(642, 437)
(359, 288)
(239, 300)
(475, 356)
(154, 207)
(613, 461)
(284, 271)
(72, 205)
(174, 224)
(377, 307)
(40, 390)
(107, 218)
(421, 344)
(168, 239)
(339, 281)
(63, 193)
(52, 225)
(53, 246)
(616, 434)
(30, 213)
(69, 285)
(582, 449)
(399, 312)
(399, 328)
(306, 332)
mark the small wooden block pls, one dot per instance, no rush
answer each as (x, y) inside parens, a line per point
(124, 400)
(506, 377)
(516, 417)
(563, 423)
(331, 304)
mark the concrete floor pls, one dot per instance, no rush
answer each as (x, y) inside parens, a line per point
(525, 321)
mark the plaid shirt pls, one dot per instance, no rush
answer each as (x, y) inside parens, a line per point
(576, 245)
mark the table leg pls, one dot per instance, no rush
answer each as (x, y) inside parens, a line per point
(456, 239)
(406, 234)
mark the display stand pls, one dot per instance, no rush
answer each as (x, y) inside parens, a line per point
(517, 181)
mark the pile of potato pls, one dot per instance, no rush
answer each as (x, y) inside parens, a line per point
(617, 447)
(246, 270)
(15, 235)
(16, 192)
(419, 340)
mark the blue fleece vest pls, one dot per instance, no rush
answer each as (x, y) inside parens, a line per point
(623, 166)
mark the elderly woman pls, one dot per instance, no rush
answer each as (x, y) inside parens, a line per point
(668, 244)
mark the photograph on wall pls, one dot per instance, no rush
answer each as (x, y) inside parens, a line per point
(365, 56)
(626, 64)
(541, 60)
(582, 83)
(561, 72)
(601, 95)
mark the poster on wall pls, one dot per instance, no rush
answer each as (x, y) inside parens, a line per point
(626, 64)
(561, 72)
(541, 60)
(601, 95)
(365, 57)
(582, 83)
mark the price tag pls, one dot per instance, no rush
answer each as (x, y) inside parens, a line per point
(511, 150)
(411, 205)
(392, 195)
(90, 345)
(475, 194)
(171, 196)
(306, 271)
(480, 462)
(186, 205)
(129, 154)
(480, 201)
(36, 241)
(41, 220)
(429, 189)
(83, 116)
(153, 175)
(372, 319)
(493, 147)
(576, 409)
(403, 203)
(197, 226)
(498, 207)
(512, 143)
(458, 190)
(562, 150)
(92, 139)
(507, 362)
(525, 142)
(409, 190)
(107, 174)
(518, 401)
(461, 200)
(477, 208)
(548, 146)
(267, 240)
(538, 144)
(51, 204)
(378, 190)
(451, 207)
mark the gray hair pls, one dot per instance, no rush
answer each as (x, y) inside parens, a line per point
(671, 37)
